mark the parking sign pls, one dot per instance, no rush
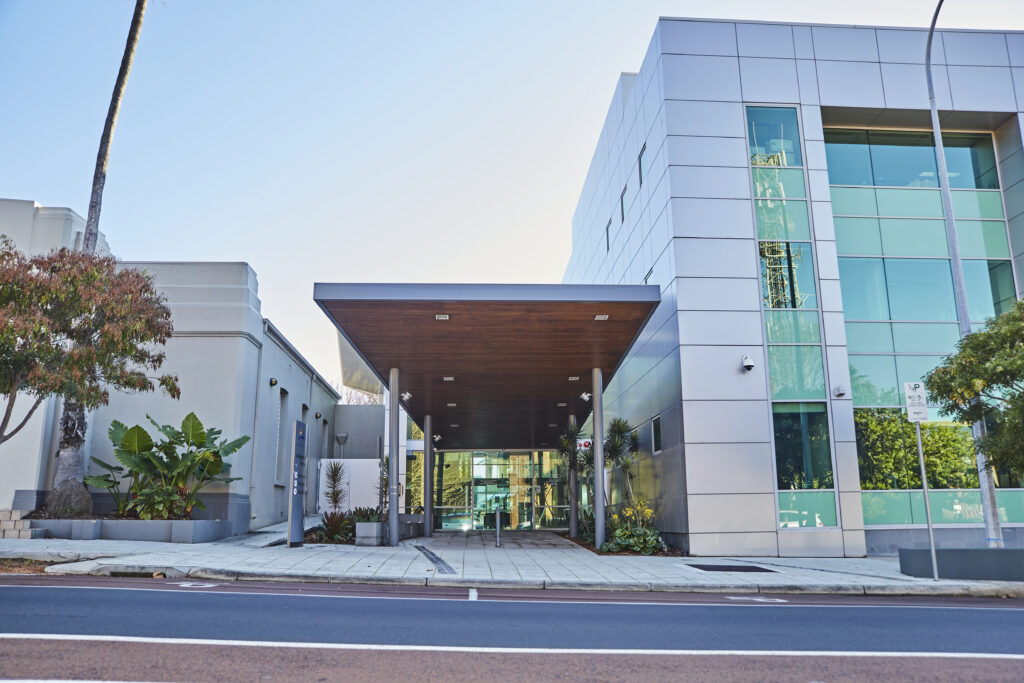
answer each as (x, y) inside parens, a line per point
(917, 401)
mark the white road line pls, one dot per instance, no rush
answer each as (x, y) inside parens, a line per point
(472, 594)
(551, 601)
(503, 650)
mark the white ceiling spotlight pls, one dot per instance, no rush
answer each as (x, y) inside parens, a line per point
(448, 378)
(601, 316)
(441, 316)
(574, 378)
(455, 426)
(552, 424)
(406, 396)
(562, 404)
(451, 405)
(586, 395)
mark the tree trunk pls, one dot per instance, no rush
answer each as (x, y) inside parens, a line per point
(99, 177)
(573, 504)
(69, 496)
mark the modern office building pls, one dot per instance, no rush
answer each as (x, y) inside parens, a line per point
(775, 186)
(778, 184)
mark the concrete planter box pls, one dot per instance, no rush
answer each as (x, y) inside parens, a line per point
(161, 531)
(371, 533)
(989, 564)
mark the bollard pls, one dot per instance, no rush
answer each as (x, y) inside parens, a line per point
(497, 526)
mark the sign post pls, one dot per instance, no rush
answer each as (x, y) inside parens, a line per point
(296, 511)
(917, 412)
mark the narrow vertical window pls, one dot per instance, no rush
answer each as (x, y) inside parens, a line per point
(622, 205)
(656, 434)
(608, 236)
(283, 438)
(640, 166)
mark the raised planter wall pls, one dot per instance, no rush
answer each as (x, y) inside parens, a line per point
(989, 564)
(160, 531)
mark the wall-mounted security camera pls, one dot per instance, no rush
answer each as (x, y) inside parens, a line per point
(406, 396)
(437, 437)
(747, 363)
(839, 391)
(586, 395)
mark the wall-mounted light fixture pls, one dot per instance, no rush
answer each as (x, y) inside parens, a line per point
(273, 381)
(318, 416)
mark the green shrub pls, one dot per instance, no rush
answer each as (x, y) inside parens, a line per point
(164, 478)
(633, 529)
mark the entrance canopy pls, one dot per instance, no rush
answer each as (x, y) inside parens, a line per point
(495, 366)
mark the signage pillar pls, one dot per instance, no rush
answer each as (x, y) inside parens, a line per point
(917, 412)
(598, 387)
(296, 511)
(393, 438)
(428, 476)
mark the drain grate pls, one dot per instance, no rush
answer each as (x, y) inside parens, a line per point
(730, 568)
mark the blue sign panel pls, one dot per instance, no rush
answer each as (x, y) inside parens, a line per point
(296, 511)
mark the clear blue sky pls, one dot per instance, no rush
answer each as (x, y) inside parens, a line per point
(410, 141)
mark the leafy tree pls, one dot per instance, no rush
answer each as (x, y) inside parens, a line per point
(984, 381)
(69, 496)
(76, 326)
(887, 452)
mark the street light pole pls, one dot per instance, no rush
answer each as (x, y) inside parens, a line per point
(990, 510)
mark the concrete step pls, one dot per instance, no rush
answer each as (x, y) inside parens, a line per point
(24, 533)
(9, 525)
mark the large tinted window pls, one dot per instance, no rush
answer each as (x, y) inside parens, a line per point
(848, 157)
(970, 161)
(802, 451)
(903, 159)
(920, 289)
(862, 281)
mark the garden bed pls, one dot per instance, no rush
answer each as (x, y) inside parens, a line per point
(13, 565)
(671, 552)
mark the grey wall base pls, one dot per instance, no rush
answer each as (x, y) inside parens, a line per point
(28, 499)
(161, 531)
(889, 541)
(988, 564)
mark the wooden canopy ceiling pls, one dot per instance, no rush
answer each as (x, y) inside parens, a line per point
(510, 349)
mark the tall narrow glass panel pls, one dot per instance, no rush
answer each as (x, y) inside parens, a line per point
(774, 136)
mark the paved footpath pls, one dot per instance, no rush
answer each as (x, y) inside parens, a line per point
(539, 560)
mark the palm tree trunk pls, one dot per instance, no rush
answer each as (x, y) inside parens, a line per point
(67, 482)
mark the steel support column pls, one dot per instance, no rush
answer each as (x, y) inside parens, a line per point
(393, 440)
(428, 476)
(598, 386)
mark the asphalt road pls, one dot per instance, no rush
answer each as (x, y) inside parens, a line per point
(311, 632)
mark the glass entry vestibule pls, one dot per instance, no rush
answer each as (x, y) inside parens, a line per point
(527, 486)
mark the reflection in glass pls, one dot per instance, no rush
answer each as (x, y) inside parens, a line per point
(799, 509)
(920, 289)
(853, 201)
(887, 451)
(782, 220)
(774, 136)
(903, 158)
(869, 338)
(913, 237)
(977, 204)
(796, 372)
(909, 203)
(802, 452)
(862, 282)
(925, 337)
(971, 160)
(913, 369)
(779, 183)
(990, 290)
(792, 327)
(873, 380)
(787, 275)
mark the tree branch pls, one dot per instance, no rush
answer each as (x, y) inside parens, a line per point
(13, 395)
(21, 424)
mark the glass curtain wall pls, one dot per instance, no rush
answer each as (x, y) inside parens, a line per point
(803, 454)
(528, 486)
(897, 289)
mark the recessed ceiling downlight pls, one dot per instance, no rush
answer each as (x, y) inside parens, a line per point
(601, 316)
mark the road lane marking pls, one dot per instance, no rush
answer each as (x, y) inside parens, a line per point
(472, 594)
(504, 650)
(549, 601)
(754, 598)
(189, 584)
